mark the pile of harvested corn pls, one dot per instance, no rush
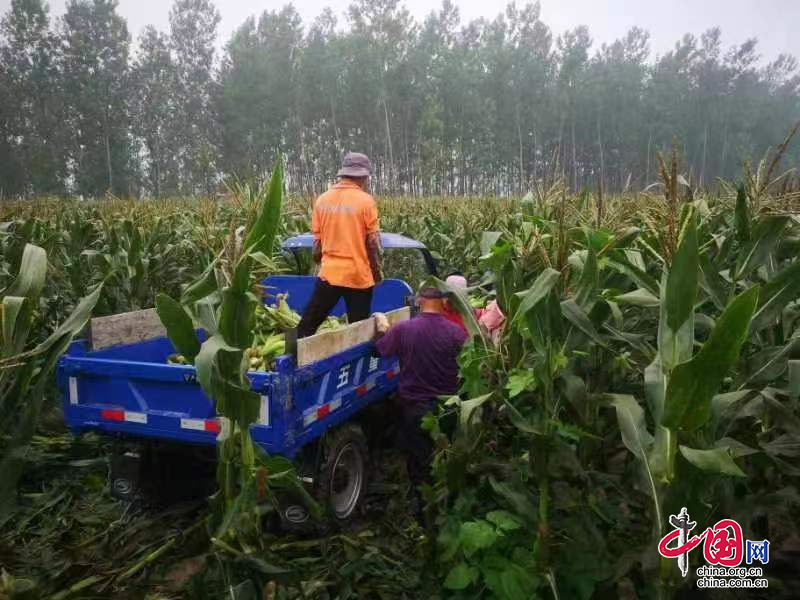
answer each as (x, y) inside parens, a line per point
(269, 341)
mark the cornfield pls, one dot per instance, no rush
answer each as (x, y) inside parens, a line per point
(650, 362)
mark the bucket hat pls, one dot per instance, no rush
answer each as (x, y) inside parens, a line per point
(355, 164)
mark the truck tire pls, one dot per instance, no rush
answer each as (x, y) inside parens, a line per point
(341, 482)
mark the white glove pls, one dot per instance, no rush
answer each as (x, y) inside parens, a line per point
(381, 322)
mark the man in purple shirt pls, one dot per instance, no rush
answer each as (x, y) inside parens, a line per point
(428, 347)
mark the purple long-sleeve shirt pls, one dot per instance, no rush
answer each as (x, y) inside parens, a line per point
(428, 347)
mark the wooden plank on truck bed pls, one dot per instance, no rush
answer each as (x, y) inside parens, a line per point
(125, 328)
(328, 343)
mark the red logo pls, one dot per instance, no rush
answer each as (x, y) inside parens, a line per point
(723, 544)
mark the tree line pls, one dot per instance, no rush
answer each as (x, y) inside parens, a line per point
(442, 106)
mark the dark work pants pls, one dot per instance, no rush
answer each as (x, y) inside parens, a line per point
(325, 297)
(417, 445)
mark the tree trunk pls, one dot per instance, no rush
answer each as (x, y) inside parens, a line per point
(602, 163)
(521, 164)
(574, 159)
(390, 177)
(647, 169)
(705, 145)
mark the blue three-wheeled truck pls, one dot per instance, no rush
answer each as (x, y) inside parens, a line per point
(312, 406)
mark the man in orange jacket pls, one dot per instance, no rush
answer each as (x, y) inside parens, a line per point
(347, 245)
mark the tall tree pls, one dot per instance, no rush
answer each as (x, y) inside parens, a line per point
(193, 27)
(258, 113)
(95, 65)
(153, 80)
(32, 101)
(442, 107)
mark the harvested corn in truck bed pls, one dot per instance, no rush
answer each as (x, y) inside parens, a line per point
(269, 340)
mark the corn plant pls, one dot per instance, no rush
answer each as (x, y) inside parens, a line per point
(224, 301)
(25, 371)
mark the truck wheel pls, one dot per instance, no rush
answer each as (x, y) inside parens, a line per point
(342, 477)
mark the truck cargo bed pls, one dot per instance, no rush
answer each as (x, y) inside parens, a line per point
(130, 390)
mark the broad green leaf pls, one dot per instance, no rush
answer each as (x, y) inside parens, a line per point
(736, 448)
(475, 536)
(578, 317)
(261, 237)
(32, 274)
(722, 405)
(468, 407)
(519, 381)
(237, 317)
(179, 326)
(544, 283)
(461, 577)
(713, 283)
(488, 240)
(770, 363)
(220, 375)
(632, 426)
(517, 584)
(780, 290)
(586, 292)
(504, 520)
(16, 324)
(681, 285)
(574, 389)
(787, 444)
(693, 384)
(638, 297)
(517, 497)
(717, 460)
(674, 346)
(638, 276)
(637, 439)
(202, 287)
(766, 235)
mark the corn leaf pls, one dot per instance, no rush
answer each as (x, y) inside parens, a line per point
(766, 236)
(637, 439)
(32, 273)
(179, 326)
(237, 317)
(587, 285)
(742, 216)
(544, 283)
(202, 287)
(681, 287)
(693, 384)
(638, 297)
(717, 460)
(578, 317)
(261, 237)
(780, 290)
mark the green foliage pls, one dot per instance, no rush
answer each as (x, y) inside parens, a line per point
(26, 369)
(543, 484)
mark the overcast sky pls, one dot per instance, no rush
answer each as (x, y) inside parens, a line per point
(774, 22)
